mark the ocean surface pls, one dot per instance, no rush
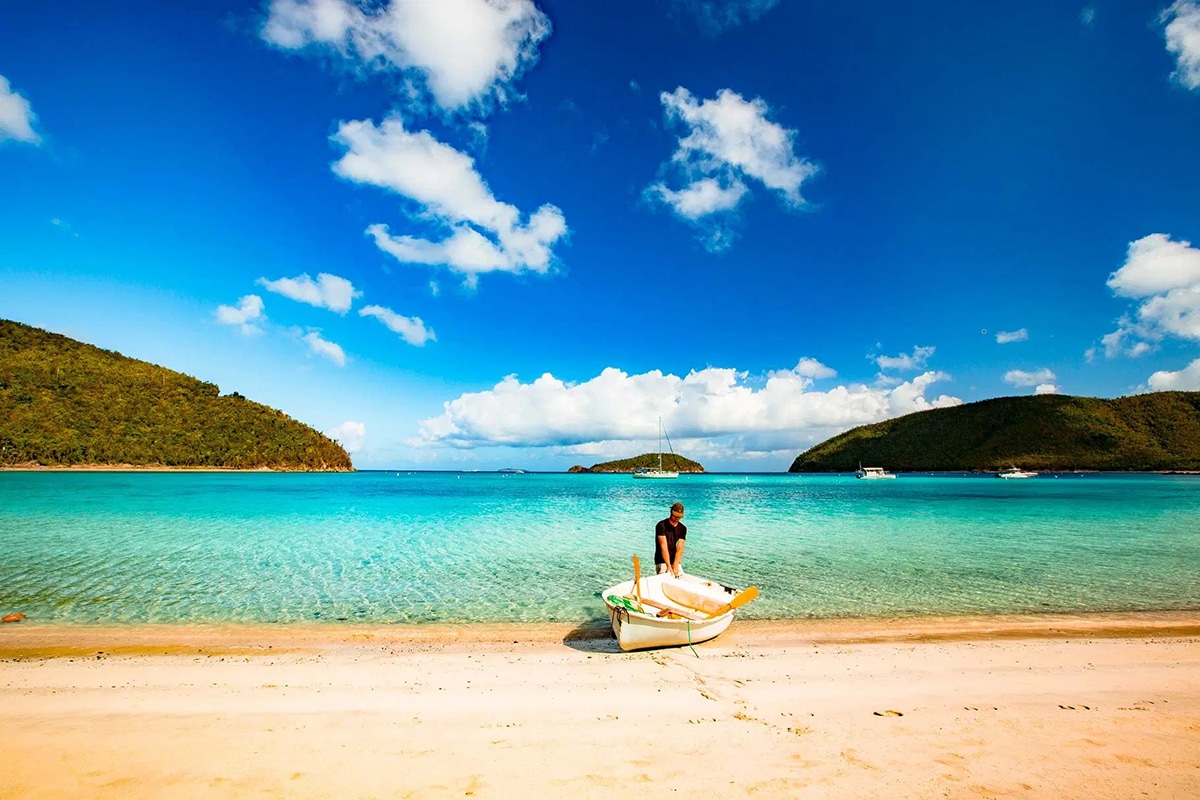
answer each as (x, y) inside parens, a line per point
(423, 547)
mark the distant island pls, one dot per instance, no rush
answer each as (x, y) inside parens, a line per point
(64, 403)
(670, 461)
(1140, 433)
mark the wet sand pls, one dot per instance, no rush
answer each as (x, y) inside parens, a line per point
(1075, 707)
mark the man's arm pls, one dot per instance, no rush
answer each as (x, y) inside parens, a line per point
(677, 567)
(663, 550)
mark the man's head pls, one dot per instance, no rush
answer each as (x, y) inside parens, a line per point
(677, 512)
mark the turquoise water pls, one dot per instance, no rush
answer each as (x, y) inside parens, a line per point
(448, 547)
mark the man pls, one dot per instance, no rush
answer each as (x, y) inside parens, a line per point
(669, 538)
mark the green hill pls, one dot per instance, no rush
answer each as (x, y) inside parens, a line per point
(1159, 431)
(66, 403)
(670, 461)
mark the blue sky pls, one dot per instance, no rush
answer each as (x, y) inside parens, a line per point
(471, 234)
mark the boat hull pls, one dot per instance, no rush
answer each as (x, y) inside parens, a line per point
(638, 631)
(873, 474)
(1014, 474)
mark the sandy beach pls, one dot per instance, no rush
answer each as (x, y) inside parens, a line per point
(1078, 707)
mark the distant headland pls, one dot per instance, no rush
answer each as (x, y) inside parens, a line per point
(670, 461)
(1157, 432)
(65, 404)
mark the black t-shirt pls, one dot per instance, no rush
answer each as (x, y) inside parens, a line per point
(673, 533)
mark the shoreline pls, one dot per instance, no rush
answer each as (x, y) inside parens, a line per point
(33, 640)
(1086, 706)
(159, 468)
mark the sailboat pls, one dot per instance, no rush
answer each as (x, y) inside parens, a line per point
(658, 472)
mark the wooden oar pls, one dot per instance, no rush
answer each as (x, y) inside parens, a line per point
(737, 602)
(637, 582)
(687, 613)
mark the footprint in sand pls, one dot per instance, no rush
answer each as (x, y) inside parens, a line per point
(889, 713)
(1074, 708)
(1140, 705)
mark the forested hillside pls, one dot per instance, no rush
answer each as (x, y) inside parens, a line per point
(66, 403)
(670, 461)
(1158, 431)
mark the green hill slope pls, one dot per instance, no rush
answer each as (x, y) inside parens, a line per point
(670, 461)
(65, 403)
(1159, 431)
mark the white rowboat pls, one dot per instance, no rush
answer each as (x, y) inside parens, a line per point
(691, 597)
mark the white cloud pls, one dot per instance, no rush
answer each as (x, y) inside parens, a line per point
(728, 140)
(1155, 264)
(1045, 388)
(1019, 377)
(1124, 341)
(1164, 277)
(1088, 16)
(244, 316)
(1186, 379)
(1006, 337)
(701, 198)
(327, 291)
(1182, 31)
(16, 116)
(349, 435)
(906, 361)
(714, 16)
(410, 329)
(465, 52)
(485, 235)
(811, 368)
(782, 412)
(325, 348)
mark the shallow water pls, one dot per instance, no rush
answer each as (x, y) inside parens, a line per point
(484, 547)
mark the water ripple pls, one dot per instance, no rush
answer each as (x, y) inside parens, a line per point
(444, 547)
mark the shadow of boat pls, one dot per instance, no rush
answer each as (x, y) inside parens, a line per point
(592, 636)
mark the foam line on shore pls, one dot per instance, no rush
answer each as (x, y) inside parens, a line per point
(39, 641)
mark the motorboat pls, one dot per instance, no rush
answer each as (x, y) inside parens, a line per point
(873, 473)
(657, 472)
(1013, 473)
(669, 611)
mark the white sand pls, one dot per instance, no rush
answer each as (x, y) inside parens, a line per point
(1093, 707)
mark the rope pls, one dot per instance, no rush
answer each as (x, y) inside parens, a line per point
(689, 630)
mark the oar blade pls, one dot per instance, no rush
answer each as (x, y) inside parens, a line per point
(744, 597)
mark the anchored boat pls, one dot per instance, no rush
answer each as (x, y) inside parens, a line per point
(873, 473)
(1013, 473)
(658, 472)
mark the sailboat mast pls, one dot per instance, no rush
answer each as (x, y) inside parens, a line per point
(660, 443)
